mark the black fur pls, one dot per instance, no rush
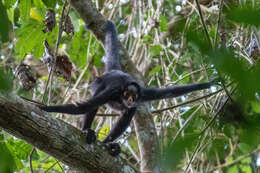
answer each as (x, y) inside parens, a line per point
(108, 89)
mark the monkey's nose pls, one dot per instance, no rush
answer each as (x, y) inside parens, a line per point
(129, 101)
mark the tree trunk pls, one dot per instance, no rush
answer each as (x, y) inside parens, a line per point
(144, 125)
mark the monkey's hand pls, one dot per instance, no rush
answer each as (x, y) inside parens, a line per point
(90, 136)
(113, 148)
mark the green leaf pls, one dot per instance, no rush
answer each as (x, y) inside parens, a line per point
(248, 82)
(155, 70)
(233, 169)
(244, 15)
(245, 168)
(25, 6)
(163, 23)
(39, 4)
(174, 153)
(155, 50)
(79, 46)
(4, 23)
(186, 79)
(245, 148)
(6, 80)
(246, 160)
(197, 40)
(103, 132)
(30, 39)
(8, 164)
(9, 3)
(50, 3)
(19, 148)
(146, 39)
(255, 106)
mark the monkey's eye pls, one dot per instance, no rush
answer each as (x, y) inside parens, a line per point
(126, 94)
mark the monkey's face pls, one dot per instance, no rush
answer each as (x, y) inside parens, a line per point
(130, 96)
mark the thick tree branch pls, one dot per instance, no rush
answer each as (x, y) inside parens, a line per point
(57, 138)
(144, 125)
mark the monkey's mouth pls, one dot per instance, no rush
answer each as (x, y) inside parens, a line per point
(130, 101)
(129, 98)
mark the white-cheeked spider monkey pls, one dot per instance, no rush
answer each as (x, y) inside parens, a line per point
(120, 92)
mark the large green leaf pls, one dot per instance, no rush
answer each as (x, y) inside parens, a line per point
(7, 161)
(5, 24)
(25, 6)
(9, 3)
(30, 38)
(174, 153)
(244, 15)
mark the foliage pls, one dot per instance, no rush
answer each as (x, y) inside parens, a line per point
(169, 47)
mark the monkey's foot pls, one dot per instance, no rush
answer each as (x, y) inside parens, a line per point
(90, 136)
(113, 148)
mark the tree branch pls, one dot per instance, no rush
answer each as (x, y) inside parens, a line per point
(144, 125)
(57, 138)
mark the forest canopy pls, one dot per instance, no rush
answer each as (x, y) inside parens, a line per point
(50, 55)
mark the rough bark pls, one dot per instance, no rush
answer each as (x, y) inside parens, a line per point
(57, 138)
(144, 125)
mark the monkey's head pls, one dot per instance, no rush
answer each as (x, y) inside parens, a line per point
(131, 95)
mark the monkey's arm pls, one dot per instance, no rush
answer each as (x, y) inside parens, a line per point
(149, 94)
(81, 108)
(121, 125)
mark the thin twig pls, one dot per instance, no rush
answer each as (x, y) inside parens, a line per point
(32, 101)
(55, 52)
(58, 161)
(185, 124)
(219, 19)
(203, 23)
(31, 154)
(227, 164)
(187, 102)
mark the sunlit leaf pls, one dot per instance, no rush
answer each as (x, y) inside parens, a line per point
(155, 70)
(247, 160)
(233, 169)
(30, 39)
(34, 14)
(155, 50)
(25, 6)
(103, 132)
(256, 106)
(245, 168)
(163, 23)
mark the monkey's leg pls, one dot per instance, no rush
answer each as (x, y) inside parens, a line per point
(86, 126)
(120, 126)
